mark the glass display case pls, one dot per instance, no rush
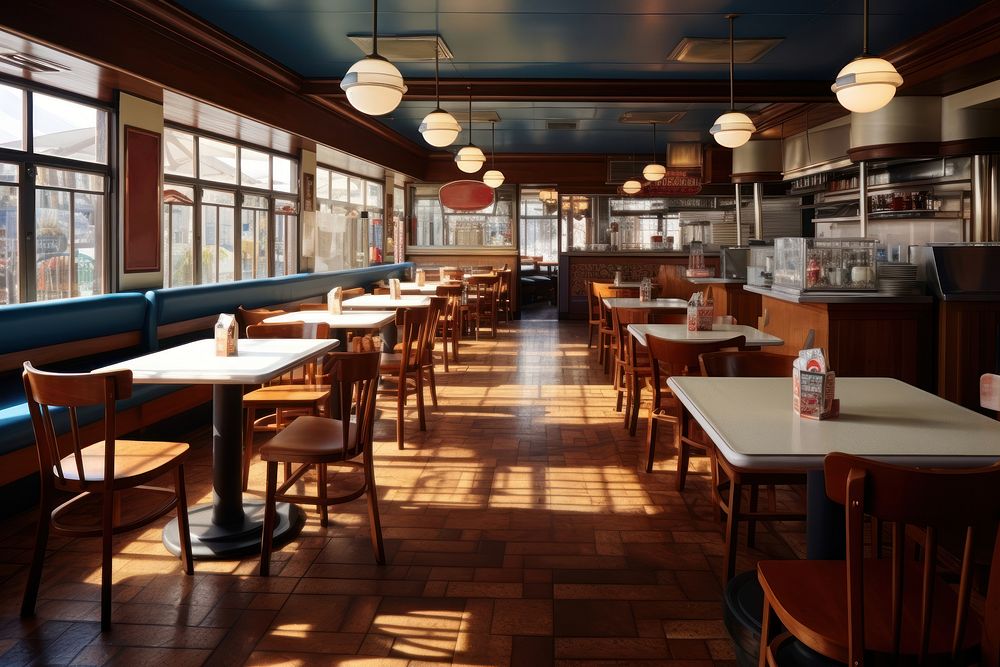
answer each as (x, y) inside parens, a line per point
(824, 265)
(760, 267)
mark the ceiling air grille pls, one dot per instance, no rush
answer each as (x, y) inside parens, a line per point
(402, 49)
(561, 125)
(620, 171)
(716, 51)
(30, 63)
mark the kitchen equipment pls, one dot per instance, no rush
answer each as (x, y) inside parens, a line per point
(760, 268)
(734, 262)
(695, 231)
(816, 265)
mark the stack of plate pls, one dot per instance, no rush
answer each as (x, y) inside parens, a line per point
(897, 278)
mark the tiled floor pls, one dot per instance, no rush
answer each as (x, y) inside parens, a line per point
(518, 531)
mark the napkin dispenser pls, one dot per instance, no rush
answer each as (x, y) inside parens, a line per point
(394, 291)
(335, 301)
(814, 386)
(226, 333)
(421, 277)
(700, 313)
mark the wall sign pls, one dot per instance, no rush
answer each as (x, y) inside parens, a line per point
(141, 247)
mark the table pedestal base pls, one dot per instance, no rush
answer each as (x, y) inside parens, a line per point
(212, 541)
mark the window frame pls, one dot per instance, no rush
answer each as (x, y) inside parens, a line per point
(29, 162)
(365, 207)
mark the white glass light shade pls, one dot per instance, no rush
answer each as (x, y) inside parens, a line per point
(548, 196)
(732, 129)
(373, 85)
(866, 84)
(631, 186)
(440, 128)
(493, 178)
(654, 172)
(470, 159)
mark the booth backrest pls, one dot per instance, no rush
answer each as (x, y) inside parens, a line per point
(178, 312)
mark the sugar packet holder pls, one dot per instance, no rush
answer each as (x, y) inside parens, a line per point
(421, 278)
(226, 333)
(700, 313)
(335, 301)
(814, 386)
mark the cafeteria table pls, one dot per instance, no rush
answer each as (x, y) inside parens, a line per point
(340, 323)
(386, 302)
(229, 526)
(753, 426)
(672, 305)
(680, 334)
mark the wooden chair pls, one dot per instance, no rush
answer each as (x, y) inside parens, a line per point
(731, 480)
(630, 361)
(451, 322)
(668, 358)
(432, 275)
(505, 307)
(593, 316)
(894, 610)
(453, 274)
(321, 442)
(287, 396)
(400, 368)
(483, 294)
(246, 317)
(381, 290)
(102, 468)
(429, 342)
(345, 294)
(607, 332)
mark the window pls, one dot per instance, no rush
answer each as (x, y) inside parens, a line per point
(492, 227)
(396, 224)
(349, 221)
(539, 222)
(54, 179)
(232, 207)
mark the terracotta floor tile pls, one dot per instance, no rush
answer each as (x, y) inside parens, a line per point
(593, 618)
(522, 617)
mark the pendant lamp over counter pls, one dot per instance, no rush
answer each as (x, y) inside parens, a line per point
(373, 84)
(654, 171)
(494, 177)
(470, 158)
(439, 128)
(866, 83)
(733, 128)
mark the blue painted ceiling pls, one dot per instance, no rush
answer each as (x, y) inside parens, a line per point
(574, 39)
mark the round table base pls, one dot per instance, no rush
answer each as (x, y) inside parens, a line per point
(211, 541)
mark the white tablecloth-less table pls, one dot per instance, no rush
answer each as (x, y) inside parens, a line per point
(352, 320)
(752, 424)
(679, 333)
(427, 289)
(230, 526)
(384, 302)
(679, 305)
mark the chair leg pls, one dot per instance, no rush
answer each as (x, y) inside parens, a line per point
(732, 529)
(433, 384)
(636, 396)
(400, 406)
(590, 336)
(107, 538)
(683, 454)
(618, 385)
(766, 633)
(444, 350)
(183, 529)
(627, 386)
(752, 523)
(421, 419)
(322, 492)
(650, 441)
(374, 522)
(38, 557)
(251, 415)
(267, 530)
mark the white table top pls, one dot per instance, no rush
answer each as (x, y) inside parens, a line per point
(258, 360)
(428, 288)
(655, 304)
(383, 302)
(679, 333)
(752, 424)
(355, 319)
(630, 284)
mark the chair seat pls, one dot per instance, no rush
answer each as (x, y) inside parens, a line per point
(133, 459)
(309, 440)
(286, 394)
(810, 598)
(389, 362)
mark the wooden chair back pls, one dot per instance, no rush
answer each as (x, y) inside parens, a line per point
(438, 307)
(628, 347)
(732, 364)
(46, 391)
(432, 275)
(505, 286)
(593, 304)
(380, 290)
(246, 317)
(608, 291)
(412, 324)
(356, 375)
(309, 373)
(936, 501)
(345, 294)
(452, 274)
(669, 357)
(485, 289)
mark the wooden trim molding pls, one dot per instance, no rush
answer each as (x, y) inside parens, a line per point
(976, 146)
(913, 149)
(62, 351)
(757, 177)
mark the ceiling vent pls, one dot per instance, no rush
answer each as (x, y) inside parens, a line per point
(31, 63)
(697, 50)
(648, 117)
(402, 49)
(561, 125)
(620, 171)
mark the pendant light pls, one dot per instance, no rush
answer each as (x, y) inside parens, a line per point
(494, 177)
(469, 158)
(866, 83)
(632, 185)
(654, 171)
(439, 128)
(548, 195)
(373, 84)
(733, 128)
